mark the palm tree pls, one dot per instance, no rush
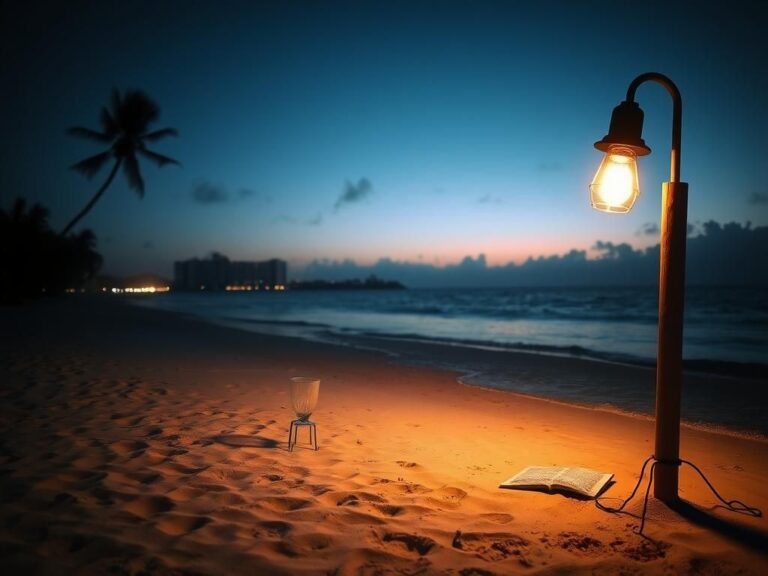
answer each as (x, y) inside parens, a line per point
(124, 126)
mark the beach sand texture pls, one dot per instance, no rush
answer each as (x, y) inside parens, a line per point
(140, 442)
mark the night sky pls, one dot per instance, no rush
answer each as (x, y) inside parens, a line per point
(418, 131)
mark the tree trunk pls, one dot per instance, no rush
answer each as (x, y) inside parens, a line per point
(95, 198)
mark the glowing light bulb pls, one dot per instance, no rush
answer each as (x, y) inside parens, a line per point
(615, 187)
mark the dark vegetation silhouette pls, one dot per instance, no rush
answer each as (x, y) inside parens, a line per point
(125, 127)
(37, 261)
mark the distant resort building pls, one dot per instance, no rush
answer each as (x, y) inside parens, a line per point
(220, 273)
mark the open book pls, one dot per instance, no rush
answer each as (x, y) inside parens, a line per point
(579, 480)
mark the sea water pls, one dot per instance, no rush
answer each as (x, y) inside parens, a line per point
(726, 333)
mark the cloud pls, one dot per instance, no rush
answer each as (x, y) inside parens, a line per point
(648, 229)
(354, 192)
(722, 254)
(758, 198)
(489, 199)
(207, 193)
(148, 245)
(316, 221)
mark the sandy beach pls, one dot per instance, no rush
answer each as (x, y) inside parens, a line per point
(137, 441)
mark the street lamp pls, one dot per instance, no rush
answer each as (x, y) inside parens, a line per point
(615, 189)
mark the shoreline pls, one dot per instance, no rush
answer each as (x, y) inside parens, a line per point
(141, 438)
(706, 404)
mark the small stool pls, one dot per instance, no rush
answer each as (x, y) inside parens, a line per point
(293, 433)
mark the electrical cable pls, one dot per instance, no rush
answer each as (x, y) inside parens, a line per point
(732, 505)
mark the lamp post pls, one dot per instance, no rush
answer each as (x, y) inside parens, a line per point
(615, 189)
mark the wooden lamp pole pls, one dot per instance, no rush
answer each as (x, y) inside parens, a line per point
(625, 137)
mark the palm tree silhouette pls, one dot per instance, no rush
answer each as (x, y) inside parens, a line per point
(124, 126)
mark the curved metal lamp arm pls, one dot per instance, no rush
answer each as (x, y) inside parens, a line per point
(677, 115)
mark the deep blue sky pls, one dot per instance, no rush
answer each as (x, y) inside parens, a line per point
(419, 131)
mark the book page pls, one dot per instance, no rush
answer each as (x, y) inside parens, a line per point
(535, 476)
(582, 480)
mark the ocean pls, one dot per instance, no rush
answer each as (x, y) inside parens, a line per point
(725, 338)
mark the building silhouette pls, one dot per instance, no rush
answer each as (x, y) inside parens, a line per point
(220, 273)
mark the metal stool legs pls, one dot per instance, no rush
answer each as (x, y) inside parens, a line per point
(293, 433)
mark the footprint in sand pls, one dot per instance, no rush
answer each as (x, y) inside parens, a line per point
(153, 431)
(185, 494)
(275, 528)
(579, 543)
(497, 517)
(129, 448)
(649, 550)
(313, 542)
(149, 506)
(180, 524)
(352, 498)
(494, 546)
(413, 542)
(178, 468)
(285, 503)
(390, 510)
(447, 496)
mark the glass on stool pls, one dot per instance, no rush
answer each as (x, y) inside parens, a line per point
(304, 392)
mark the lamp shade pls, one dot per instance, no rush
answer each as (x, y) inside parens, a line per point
(615, 186)
(626, 130)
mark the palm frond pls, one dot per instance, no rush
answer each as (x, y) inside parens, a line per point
(137, 112)
(108, 123)
(89, 134)
(91, 165)
(158, 159)
(132, 172)
(159, 134)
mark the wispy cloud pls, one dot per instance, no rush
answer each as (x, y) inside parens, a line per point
(317, 220)
(354, 192)
(648, 229)
(206, 192)
(490, 199)
(758, 198)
